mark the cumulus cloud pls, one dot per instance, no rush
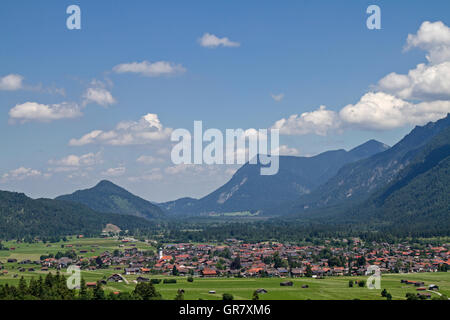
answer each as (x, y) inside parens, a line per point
(277, 97)
(33, 111)
(415, 98)
(150, 69)
(284, 150)
(100, 96)
(73, 160)
(21, 174)
(374, 111)
(211, 41)
(382, 111)
(425, 82)
(433, 37)
(11, 82)
(143, 131)
(114, 172)
(320, 122)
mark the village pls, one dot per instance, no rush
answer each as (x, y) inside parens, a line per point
(235, 258)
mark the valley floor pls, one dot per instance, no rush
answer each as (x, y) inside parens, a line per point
(328, 288)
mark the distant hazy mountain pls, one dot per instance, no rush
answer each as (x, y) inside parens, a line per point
(248, 190)
(110, 198)
(356, 181)
(23, 217)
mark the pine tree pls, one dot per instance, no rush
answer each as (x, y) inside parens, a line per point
(82, 294)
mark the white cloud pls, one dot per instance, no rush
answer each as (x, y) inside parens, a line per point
(21, 174)
(11, 82)
(277, 97)
(148, 160)
(320, 122)
(100, 96)
(33, 111)
(415, 98)
(146, 130)
(150, 69)
(114, 172)
(72, 160)
(374, 111)
(284, 150)
(211, 41)
(382, 111)
(426, 82)
(433, 37)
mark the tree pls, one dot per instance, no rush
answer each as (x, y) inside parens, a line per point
(190, 279)
(146, 291)
(255, 295)
(174, 271)
(411, 296)
(227, 297)
(23, 288)
(82, 294)
(361, 283)
(388, 296)
(350, 283)
(180, 295)
(308, 271)
(236, 263)
(384, 293)
(99, 294)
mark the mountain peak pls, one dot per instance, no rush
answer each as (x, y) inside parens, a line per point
(369, 148)
(103, 183)
(111, 198)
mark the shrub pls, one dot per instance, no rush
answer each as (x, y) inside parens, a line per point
(190, 279)
(170, 281)
(227, 296)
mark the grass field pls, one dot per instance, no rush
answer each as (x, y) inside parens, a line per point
(241, 288)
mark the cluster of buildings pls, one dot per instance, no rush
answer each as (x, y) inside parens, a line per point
(237, 258)
(283, 260)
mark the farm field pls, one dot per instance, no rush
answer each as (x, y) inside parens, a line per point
(329, 288)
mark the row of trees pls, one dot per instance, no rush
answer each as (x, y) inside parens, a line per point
(54, 287)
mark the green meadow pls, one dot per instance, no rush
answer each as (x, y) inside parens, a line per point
(329, 288)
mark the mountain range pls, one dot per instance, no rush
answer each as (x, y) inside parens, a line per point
(248, 190)
(419, 195)
(405, 185)
(356, 181)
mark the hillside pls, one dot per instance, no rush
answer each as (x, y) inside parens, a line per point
(23, 217)
(248, 190)
(110, 198)
(419, 197)
(356, 181)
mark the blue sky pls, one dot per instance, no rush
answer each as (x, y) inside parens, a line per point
(313, 52)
